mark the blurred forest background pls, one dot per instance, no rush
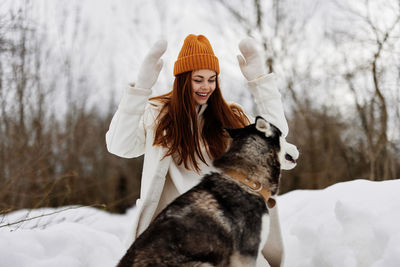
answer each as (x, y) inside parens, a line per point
(64, 65)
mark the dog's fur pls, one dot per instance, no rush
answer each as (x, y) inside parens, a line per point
(219, 222)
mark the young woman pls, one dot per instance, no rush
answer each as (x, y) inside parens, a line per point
(181, 132)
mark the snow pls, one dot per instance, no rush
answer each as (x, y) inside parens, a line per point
(76, 236)
(349, 224)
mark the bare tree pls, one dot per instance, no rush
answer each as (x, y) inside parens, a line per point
(51, 156)
(317, 124)
(371, 99)
(282, 36)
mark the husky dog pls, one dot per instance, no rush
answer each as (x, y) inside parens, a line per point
(222, 221)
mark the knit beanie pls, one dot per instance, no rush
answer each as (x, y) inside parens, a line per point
(196, 54)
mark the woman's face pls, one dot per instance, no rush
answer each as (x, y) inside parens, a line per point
(203, 84)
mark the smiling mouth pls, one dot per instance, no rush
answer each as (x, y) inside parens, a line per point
(202, 94)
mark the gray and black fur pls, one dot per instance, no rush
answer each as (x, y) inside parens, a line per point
(218, 222)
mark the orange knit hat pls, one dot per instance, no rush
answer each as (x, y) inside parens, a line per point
(196, 54)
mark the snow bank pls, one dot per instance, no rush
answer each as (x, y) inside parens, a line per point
(348, 224)
(78, 237)
(352, 224)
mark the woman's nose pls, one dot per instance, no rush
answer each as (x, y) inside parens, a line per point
(206, 85)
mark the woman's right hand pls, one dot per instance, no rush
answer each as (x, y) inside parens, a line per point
(251, 61)
(151, 66)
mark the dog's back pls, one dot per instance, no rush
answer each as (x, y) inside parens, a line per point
(204, 225)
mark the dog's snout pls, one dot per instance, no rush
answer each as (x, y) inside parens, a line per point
(290, 158)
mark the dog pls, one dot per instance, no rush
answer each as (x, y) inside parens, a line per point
(222, 221)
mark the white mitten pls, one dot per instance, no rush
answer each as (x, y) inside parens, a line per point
(151, 66)
(251, 63)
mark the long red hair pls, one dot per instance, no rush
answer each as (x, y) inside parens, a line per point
(177, 124)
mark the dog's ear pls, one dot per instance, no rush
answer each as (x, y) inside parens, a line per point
(263, 126)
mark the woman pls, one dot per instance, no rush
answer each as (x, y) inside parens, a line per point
(181, 132)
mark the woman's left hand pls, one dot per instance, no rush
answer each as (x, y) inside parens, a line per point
(251, 63)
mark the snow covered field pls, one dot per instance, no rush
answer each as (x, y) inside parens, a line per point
(352, 224)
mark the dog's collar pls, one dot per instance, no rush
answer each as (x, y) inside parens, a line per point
(253, 185)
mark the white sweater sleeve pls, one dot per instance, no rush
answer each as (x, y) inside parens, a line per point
(126, 134)
(268, 101)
